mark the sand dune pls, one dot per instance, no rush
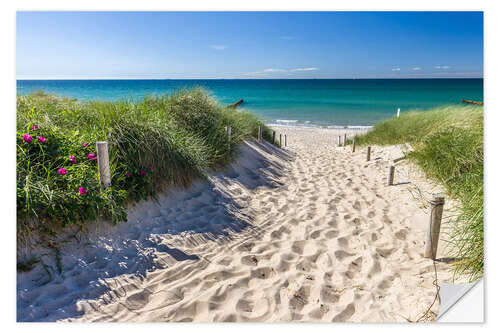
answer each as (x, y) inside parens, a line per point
(308, 233)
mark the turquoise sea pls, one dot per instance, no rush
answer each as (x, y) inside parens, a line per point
(336, 102)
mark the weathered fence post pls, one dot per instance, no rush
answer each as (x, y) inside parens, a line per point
(280, 140)
(103, 163)
(285, 140)
(274, 137)
(353, 145)
(432, 236)
(260, 134)
(398, 111)
(368, 153)
(228, 136)
(339, 141)
(345, 139)
(390, 179)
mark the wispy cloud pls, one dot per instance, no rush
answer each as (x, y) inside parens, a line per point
(416, 68)
(218, 47)
(283, 71)
(396, 69)
(273, 70)
(442, 67)
(287, 37)
(304, 69)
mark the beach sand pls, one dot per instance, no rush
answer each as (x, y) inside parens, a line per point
(310, 232)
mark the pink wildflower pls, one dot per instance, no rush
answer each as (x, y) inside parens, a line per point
(150, 167)
(61, 171)
(27, 138)
(128, 174)
(92, 156)
(82, 190)
(72, 159)
(85, 144)
(35, 127)
(143, 173)
(41, 139)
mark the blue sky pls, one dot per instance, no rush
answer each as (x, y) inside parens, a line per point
(249, 44)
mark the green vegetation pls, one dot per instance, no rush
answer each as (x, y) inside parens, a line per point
(448, 145)
(156, 142)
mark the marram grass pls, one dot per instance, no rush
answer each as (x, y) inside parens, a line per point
(448, 145)
(155, 142)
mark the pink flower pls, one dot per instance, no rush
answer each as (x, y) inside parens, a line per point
(82, 190)
(128, 174)
(143, 173)
(61, 171)
(35, 127)
(41, 139)
(150, 167)
(92, 156)
(72, 159)
(27, 138)
(85, 144)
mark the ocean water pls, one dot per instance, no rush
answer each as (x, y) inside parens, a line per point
(357, 102)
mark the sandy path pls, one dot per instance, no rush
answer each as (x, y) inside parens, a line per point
(311, 233)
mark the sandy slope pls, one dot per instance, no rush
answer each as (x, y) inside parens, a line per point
(308, 233)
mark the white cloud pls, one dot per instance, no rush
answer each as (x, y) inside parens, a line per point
(396, 69)
(416, 68)
(281, 70)
(287, 37)
(218, 47)
(441, 67)
(273, 70)
(304, 69)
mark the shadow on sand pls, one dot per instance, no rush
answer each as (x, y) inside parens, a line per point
(207, 211)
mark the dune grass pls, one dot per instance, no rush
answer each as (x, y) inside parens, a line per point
(155, 142)
(448, 145)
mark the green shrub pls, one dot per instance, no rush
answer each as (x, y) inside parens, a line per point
(155, 142)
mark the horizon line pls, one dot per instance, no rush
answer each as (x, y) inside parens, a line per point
(201, 78)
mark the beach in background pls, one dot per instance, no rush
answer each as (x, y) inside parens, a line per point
(324, 103)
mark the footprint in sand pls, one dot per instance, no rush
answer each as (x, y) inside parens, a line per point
(345, 314)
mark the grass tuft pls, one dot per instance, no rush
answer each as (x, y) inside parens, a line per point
(448, 145)
(155, 142)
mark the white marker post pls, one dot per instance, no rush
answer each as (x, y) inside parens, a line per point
(103, 163)
(260, 134)
(399, 110)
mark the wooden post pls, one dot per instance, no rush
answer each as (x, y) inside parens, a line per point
(345, 139)
(259, 136)
(103, 164)
(432, 236)
(285, 140)
(398, 111)
(339, 141)
(353, 145)
(274, 137)
(280, 140)
(228, 135)
(390, 179)
(368, 153)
